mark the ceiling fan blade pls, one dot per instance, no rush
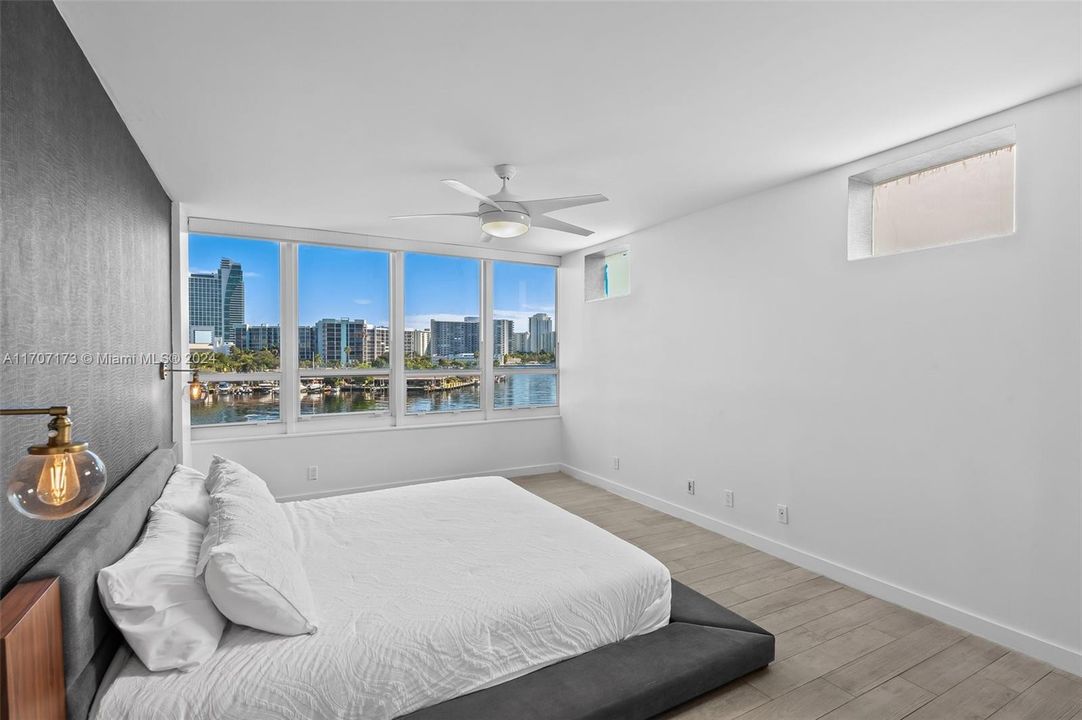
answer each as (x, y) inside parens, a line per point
(550, 204)
(467, 190)
(543, 221)
(428, 215)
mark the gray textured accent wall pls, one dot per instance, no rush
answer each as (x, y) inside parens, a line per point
(84, 264)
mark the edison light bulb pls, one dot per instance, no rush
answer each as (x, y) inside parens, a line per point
(58, 482)
(195, 391)
(56, 485)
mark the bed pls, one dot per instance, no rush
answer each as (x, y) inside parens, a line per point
(480, 600)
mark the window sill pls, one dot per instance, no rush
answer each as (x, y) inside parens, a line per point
(220, 434)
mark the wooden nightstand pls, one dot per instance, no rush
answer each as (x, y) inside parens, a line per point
(32, 653)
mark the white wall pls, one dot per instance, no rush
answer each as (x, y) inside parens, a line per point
(918, 413)
(391, 456)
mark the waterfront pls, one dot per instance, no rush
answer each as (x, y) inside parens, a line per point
(513, 391)
(525, 391)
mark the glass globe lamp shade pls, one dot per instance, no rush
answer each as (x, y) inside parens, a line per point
(53, 483)
(196, 390)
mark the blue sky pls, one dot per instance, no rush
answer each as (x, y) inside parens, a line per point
(258, 259)
(336, 283)
(519, 291)
(339, 282)
(442, 288)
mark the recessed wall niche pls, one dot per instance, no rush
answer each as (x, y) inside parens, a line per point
(608, 273)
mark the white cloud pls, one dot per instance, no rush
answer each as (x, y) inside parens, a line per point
(362, 301)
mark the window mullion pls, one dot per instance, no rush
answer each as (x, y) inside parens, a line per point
(397, 385)
(182, 409)
(486, 338)
(289, 384)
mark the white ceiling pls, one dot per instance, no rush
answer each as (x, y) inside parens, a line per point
(339, 115)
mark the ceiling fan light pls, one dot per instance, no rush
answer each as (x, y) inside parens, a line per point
(505, 224)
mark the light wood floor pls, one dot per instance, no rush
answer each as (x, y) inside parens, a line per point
(841, 654)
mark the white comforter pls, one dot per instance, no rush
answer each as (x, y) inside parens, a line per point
(424, 593)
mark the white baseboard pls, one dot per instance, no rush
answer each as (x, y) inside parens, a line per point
(1046, 650)
(505, 472)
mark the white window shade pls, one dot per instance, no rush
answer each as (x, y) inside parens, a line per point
(969, 199)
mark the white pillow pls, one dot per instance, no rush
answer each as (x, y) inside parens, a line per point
(186, 493)
(252, 570)
(156, 600)
(227, 475)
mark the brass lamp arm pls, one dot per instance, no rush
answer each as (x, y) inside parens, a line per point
(59, 427)
(56, 410)
(162, 370)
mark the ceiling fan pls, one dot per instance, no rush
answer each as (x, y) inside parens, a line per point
(504, 215)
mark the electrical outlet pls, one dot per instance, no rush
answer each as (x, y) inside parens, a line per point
(728, 498)
(691, 487)
(615, 463)
(313, 473)
(783, 514)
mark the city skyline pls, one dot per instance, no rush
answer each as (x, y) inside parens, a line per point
(340, 282)
(352, 340)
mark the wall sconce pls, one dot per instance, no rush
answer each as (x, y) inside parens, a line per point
(58, 479)
(196, 391)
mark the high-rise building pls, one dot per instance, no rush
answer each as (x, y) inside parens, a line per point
(520, 342)
(416, 342)
(452, 338)
(542, 338)
(257, 337)
(341, 342)
(502, 332)
(231, 277)
(377, 343)
(205, 305)
(217, 300)
(268, 337)
(473, 336)
(306, 343)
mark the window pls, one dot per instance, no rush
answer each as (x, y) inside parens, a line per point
(523, 335)
(442, 333)
(956, 194)
(233, 328)
(343, 330)
(311, 331)
(969, 199)
(608, 274)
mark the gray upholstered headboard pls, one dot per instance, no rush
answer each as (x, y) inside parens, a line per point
(103, 535)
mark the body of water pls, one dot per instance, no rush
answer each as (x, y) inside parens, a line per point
(525, 391)
(514, 391)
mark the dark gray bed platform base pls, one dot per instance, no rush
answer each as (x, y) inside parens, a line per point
(704, 647)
